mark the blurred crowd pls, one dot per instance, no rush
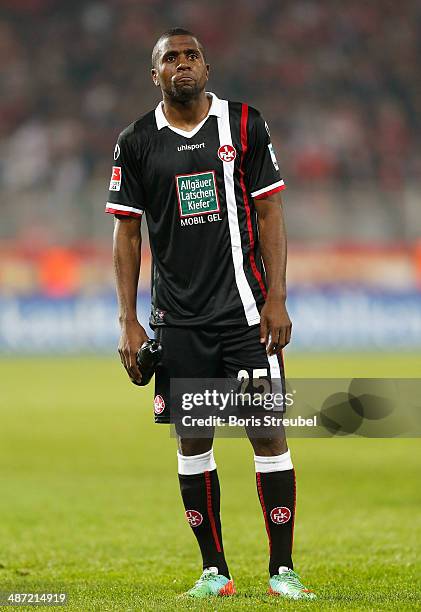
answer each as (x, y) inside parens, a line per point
(338, 83)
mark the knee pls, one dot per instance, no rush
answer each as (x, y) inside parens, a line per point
(269, 447)
(194, 446)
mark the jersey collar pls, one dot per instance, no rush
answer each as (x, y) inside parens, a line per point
(161, 120)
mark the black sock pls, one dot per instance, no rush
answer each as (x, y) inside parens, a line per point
(277, 497)
(201, 497)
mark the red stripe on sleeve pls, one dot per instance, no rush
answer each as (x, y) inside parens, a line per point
(125, 213)
(264, 195)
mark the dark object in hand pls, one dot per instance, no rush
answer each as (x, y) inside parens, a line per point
(147, 358)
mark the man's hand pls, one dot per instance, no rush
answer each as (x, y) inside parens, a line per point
(132, 337)
(275, 322)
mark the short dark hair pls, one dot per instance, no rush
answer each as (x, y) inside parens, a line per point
(168, 34)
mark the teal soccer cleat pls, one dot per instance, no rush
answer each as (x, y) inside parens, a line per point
(288, 584)
(212, 584)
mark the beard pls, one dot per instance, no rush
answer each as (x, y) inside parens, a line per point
(185, 92)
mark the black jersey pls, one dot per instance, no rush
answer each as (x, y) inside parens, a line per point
(198, 191)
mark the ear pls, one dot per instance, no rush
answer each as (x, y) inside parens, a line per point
(207, 71)
(154, 75)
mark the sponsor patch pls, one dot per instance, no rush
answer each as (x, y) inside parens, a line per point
(197, 194)
(194, 518)
(280, 515)
(115, 179)
(158, 404)
(227, 153)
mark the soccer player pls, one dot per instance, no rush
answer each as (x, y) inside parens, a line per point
(204, 173)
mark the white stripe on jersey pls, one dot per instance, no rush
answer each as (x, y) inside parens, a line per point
(122, 207)
(275, 371)
(246, 295)
(268, 188)
(275, 374)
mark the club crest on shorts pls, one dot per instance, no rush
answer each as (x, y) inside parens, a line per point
(194, 518)
(280, 515)
(159, 315)
(158, 404)
(227, 153)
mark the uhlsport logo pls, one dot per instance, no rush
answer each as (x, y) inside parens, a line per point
(227, 153)
(194, 518)
(191, 147)
(158, 404)
(280, 515)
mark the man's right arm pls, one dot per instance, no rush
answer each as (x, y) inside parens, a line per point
(127, 256)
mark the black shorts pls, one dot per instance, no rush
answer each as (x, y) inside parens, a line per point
(210, 353)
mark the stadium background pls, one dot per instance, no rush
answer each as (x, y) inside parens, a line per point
(339, 86)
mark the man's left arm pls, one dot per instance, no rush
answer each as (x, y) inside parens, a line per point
(275, 324)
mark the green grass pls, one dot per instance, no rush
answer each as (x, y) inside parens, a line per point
(89, 499)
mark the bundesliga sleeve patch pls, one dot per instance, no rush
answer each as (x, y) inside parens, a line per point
(115, 181)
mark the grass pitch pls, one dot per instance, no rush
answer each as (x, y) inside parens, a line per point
(89, 499)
